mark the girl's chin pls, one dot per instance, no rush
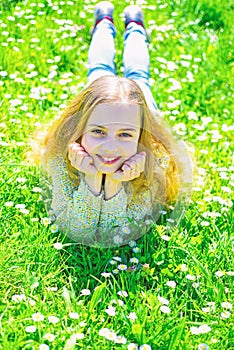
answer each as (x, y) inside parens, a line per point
(108, 171)
(108, 168)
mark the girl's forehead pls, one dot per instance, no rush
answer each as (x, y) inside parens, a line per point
(125, 114)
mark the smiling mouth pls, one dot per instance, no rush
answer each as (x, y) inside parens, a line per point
(108, 160)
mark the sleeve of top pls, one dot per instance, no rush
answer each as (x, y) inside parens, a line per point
(120, 218)
(76, 209)
(119, 210)
(62, 189)
(114, 210)
(113, 220)
(141, 208)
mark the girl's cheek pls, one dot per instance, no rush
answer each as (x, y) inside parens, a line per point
(85, 144)
(82, 142)
(89, 143)
(135, 147)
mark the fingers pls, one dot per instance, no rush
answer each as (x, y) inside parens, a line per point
(86, 161)
(80, 159)
(75, 147)
(136, 163)
(132, 168)
(126, 174)
(75, 154)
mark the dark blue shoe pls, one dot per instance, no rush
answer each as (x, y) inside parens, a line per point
(133, 13)
(103, 10)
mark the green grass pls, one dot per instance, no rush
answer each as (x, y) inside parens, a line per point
(195, 37)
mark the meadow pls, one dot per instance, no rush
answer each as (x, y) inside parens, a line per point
(171, 289)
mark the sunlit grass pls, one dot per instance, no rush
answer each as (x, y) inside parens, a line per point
(167, 290)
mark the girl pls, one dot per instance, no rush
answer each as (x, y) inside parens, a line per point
(111, 162)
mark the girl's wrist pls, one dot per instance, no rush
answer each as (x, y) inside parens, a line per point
(111, 187)
(94, 182)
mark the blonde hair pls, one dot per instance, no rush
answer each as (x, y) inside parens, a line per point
(155, 139)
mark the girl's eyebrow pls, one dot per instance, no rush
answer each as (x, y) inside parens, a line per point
(98, 126)
(103, 127)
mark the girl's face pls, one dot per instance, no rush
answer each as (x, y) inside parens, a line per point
(111, 135)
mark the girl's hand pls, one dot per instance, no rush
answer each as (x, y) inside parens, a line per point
(80, 159)
(131, 169)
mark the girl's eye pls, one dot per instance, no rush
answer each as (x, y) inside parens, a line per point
(98, 132)
(125, 134)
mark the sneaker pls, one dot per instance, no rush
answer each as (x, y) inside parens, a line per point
(103, 9)
(133, 13)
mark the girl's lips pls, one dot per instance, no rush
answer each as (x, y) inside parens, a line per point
(108, 160)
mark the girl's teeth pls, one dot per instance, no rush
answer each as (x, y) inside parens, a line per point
(108, 159)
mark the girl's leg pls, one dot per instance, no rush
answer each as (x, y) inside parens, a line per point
(102, 48)
(136, 55)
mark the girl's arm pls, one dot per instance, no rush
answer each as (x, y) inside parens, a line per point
(76, 209)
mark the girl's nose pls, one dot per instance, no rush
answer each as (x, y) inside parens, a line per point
(110, 147)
